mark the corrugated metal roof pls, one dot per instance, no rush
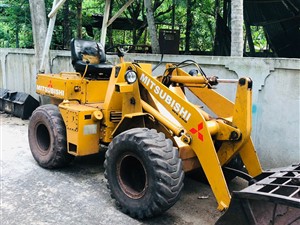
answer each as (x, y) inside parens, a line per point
(281, 22)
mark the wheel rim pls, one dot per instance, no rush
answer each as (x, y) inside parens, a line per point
(43, 138)
(132, 176)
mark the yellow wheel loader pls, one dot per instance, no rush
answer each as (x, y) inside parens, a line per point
(153, 132)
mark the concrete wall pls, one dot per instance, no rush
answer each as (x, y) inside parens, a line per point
(276, 98)
(18, 68)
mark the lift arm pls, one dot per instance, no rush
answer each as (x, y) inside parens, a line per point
(199, 132)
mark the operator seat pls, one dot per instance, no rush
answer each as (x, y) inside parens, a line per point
(85, 52)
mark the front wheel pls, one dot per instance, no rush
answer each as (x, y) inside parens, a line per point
(144, 172)
(47, 137)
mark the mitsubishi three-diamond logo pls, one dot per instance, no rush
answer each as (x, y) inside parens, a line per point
(50, 84)
(198, 131)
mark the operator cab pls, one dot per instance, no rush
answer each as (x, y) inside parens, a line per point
(89, 59)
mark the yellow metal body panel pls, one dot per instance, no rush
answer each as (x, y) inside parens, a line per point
(121, 98)
(83, 129)
(187, 155)
(124, 87)
(59, 85)
(70, 86)
(95, 91)
(250, 158)
(220, 105)
(147, 67)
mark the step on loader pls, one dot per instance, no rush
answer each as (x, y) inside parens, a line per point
(153, 132)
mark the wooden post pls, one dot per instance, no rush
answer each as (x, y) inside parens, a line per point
(52, 15)
(104, 22)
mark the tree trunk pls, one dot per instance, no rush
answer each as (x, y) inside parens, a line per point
(151, 27)
(79, 18)
(134, 36)
(237, 20)
(189, 21)
(109, 29)
(173, 14)
(225, 11)
(66, 26)
(17, 36)
(217, 9)
(249, 38)
(39, 27)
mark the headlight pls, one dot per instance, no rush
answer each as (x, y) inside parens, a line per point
(130, 76)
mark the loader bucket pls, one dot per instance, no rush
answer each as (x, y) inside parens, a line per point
(3, 93)
(17, 103)
(273, 200)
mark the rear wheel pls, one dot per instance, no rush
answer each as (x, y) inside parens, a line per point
(144, 172)
(47, 137)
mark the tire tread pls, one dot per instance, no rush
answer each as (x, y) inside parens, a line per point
(59, 156)
(166, 164)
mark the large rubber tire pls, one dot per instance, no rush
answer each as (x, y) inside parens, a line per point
(47, 137)
(144, 172)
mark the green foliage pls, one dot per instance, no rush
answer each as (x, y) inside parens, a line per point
(16, 31)
(259, 38)
(203, 24)
(15, 24)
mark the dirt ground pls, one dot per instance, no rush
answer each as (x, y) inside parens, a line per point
(78, 194)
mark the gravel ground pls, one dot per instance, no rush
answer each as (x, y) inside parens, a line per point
(78, 194)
